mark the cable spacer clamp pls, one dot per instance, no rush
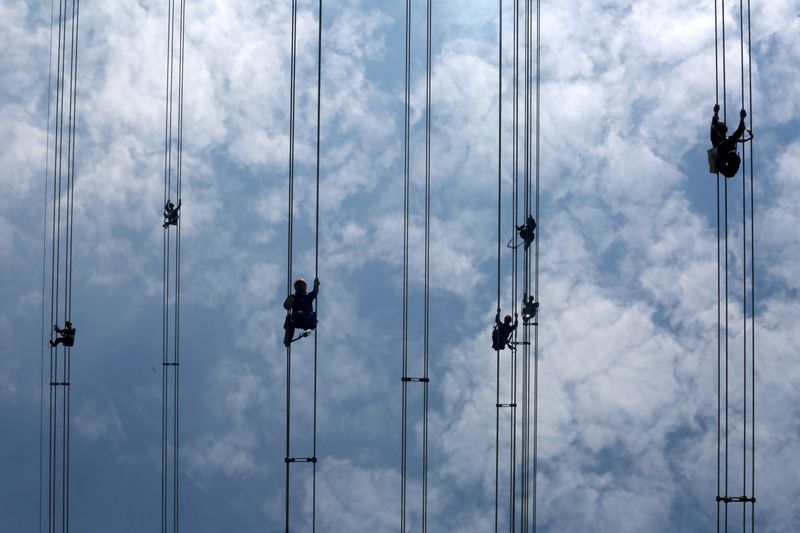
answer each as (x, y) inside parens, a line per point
(170, 364)
(60, 383)
(415, 380)
(300, 460)
(736, 499)
(505, 405)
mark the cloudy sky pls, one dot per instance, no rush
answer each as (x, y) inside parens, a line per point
(628, 255)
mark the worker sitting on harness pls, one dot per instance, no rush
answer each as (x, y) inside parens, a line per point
(300, 307)
(529, 309)
(66, 335)
(723, 157)
(171, 213)
(527, 232)
(502, 332)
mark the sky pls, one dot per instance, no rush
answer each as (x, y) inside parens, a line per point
(627, 233)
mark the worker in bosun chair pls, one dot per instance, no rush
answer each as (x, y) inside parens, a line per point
(66, 335)
(300, 307)
(723, 157)
(502, 332)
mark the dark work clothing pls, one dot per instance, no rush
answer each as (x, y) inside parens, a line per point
(529, 309)
(171, 214)
(301, 313)
(527, 231)
(501, 333)
(67, 337)
(728, 160)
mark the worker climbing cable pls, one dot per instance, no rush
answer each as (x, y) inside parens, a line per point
(66, 335)
(171, 213)
(530, 308)
(502, 331)
(526, 233)
(722, 156)
(300, 311)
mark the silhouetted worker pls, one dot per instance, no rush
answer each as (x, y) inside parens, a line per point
(66, 335)
(527, 231)
(171, 213)
(529, 309)
(300, 307)
(502, 332)
(726, 160)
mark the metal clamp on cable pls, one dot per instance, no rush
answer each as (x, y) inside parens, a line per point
(415, 380)
(736, 499)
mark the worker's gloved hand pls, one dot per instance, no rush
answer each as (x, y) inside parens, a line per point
(742, 114)
(716, 108)
(316, 282)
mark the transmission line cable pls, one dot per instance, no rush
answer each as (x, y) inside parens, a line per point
(44, 266)
(289, 459)
(724, 497)
(171, 267)
(499, 244)
(61, 256)
(425, 379)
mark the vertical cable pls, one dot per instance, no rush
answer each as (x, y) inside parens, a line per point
(406, 185)
(514, 277)
(292, 101)
(171, 269)
(44, 266)
(177, 323)
(499, 237)
(752, 289)
(166, 274)
(725, 262)
(536, 261)
(724, 69)
(426, 333)
(744, 282)
(316, 267)
(719, 291)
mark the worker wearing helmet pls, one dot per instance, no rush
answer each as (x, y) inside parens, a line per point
(300, 307)
(66, 335)
(502, 332)
(727, 161)
(171, 213)
(527, 231)
(530, 308)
